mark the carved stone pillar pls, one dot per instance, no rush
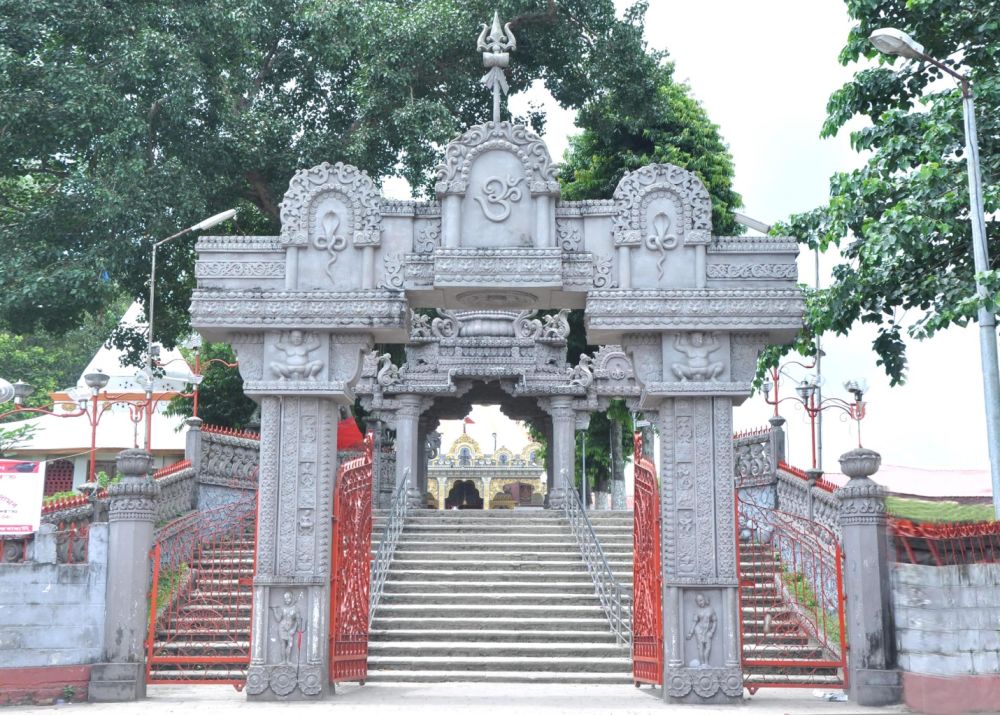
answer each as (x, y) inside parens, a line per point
(874, 678)
(487, 484)
(298, 466)
(132, 514)
(421, 465)
(408, 412)
(701, 595)
(562, 447)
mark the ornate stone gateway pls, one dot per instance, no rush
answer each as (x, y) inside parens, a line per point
(690, 310)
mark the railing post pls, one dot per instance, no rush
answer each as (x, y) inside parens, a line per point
(45, 545)
(777, 440)
(874, 678)
(133, 510)
(192, 442)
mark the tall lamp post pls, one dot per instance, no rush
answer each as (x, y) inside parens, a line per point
(896, 42)
(200, 226)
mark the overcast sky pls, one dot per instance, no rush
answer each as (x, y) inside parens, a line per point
(764, 70)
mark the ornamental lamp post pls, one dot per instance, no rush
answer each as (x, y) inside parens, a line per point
(200, 226)
(96, 381)
(891, 41)
(808, 396)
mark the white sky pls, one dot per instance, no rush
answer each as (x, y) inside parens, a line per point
(764, 71)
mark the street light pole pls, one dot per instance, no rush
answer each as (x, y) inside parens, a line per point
(200, 226)
(896, 42)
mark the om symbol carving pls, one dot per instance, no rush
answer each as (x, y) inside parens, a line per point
(499, 193)
(661, 239)
(330, 241)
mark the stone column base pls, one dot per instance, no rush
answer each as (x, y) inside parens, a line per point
(270, 683)
(414, 499)
(116, 682)
(704, 686)
(876, 687)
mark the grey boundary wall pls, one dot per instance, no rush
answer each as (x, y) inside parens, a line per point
(948, 636)
(52, 617)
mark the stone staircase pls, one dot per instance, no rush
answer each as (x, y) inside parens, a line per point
(772, 632)
(209, 616)
(497, 596)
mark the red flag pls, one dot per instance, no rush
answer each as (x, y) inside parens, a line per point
(466, 421)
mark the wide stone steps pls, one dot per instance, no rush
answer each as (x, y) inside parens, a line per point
(496, 597)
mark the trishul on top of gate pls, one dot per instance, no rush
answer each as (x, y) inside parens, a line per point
(691, 310)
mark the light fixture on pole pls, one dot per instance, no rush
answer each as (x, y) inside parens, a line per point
(200, 226)
(96, 381)
(891, 41)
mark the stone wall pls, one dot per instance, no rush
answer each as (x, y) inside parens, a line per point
(948, 636)
(53, 614)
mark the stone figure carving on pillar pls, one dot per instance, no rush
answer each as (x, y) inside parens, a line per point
(697, 345)
(297, 365)
(290, 623)
(703, 627)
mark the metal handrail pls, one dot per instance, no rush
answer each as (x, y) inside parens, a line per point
(387, 546)
(608, 589)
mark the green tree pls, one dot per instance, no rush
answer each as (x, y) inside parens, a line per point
(124, 122)
(654, 121)
(221, 401)
(902, 220)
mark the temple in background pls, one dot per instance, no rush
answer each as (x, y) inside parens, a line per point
(464, 477)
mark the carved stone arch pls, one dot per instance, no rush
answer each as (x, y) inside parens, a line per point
(613, 364)
(663, 183)
(528, 147)
(302, 214)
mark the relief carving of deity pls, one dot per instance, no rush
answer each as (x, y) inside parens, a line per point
(297, 366)
(697, 346)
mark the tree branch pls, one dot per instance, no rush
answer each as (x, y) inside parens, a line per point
(262, 193)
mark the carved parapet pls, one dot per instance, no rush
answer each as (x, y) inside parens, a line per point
(612, 313)
(134, 497)
(862, 501)
(497, 267)
(383, 313)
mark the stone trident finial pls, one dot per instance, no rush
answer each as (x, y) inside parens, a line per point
(496, 48)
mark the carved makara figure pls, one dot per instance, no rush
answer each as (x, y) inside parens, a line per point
(387, 372)
(420, 326)
(556, 326)
(290, 624)
(582, 375)
(697, 346)
(297, 365)
(703, 627)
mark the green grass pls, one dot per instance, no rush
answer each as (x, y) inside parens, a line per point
(938, 511)
(169, 581)
(800, 590)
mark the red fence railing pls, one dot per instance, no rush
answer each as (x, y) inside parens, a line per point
(647, 574)
(946, 544)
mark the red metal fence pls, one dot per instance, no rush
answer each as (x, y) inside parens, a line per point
(350, 575)
(647, 576)
(791, 600)
(946, 544)
(200, 599)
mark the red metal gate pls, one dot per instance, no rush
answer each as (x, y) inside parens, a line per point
(350, 574)
(791, 600)
(200, 600)
(647, 576)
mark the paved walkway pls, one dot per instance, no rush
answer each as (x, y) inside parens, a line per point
(465, 699)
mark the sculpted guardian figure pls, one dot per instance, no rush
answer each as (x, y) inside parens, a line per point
(697, 346)
(290, 624)
(297, 365)
(703, 628)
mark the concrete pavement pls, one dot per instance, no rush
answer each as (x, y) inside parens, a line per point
(463, 699)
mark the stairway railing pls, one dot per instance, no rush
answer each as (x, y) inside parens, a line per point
(609, 590)
(387, 546)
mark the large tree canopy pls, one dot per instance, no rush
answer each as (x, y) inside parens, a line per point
(122, 122)
(902, 220)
